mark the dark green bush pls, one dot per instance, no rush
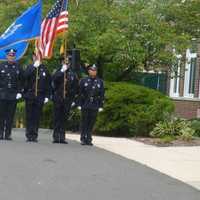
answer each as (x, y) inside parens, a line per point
(195, 124)
(46, 120)
(131, 110)
(174, 127)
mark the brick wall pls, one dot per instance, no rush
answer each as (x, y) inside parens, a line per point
(187, 108)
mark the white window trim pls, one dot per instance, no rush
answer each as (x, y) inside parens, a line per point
(189, 56)
(172, 80)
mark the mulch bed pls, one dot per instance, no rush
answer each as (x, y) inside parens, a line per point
(176, 143)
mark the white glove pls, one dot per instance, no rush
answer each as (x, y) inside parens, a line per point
(18, 96)
(46, 100)
(73, 104)
(79, 107)
(64, 68)
(100, 109)
(36, 64)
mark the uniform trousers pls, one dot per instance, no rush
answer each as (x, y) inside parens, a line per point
(7, 112)
(33, 113)
(88, 119)
(61, 114)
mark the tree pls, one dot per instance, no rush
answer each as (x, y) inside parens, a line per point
(122, 37)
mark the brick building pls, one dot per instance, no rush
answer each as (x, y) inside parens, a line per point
(184, 89)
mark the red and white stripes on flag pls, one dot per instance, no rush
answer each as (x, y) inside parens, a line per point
(56, 22)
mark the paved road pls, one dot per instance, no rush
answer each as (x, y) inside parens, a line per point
(46, 171)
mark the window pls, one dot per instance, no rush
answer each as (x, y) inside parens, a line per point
(192, 75)
(190, 71)
(174, 82)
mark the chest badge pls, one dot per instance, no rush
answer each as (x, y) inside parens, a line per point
(86, 84)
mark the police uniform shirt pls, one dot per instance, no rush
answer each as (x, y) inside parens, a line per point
(91, 93)
(11, 76)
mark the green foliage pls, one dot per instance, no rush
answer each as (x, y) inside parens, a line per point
(46, 120)
(131, 110)
(187, 134)
(195, 124)
(47, 116)
(73, 122)
(120, 36)
(19, 120)
(166, 139)
(174, 127)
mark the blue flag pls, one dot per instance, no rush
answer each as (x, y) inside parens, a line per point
(26, 27)
(21, 48)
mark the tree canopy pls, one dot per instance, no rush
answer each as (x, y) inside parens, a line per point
(122, 36)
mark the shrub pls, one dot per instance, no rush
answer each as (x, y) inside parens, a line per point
(174, 127)
(187, 134)
(131, 110)
(19, 120)
(46, 120)
(195, 124)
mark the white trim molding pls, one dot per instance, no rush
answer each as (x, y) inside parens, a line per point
(175, 81)
(189, 75)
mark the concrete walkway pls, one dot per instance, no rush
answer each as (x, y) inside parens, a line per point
(46, 171)
(182, 163)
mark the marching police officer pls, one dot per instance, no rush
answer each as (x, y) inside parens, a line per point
(11, 77)
(65, 89)
(90, 102)
(36, 93)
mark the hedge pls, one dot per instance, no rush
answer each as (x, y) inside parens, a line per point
(129, 110)
(132, 110)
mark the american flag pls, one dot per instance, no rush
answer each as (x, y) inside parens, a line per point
(56, 22)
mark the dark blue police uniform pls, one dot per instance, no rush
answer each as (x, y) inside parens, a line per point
(91, 99)
(11, 77)
(62, 104)
(34, 103)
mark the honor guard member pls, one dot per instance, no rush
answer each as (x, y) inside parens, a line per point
(65, 90)
(36, 92)
(90, 102)
(11, 77)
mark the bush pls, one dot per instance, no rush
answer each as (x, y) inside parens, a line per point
(131, 110)
(19, 121)
(46, 120)
(174, 127)
(195, 124)
(187, 134)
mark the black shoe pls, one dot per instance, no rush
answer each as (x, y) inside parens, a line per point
(34, 140)
(8, 138)
(83, 143)
(89, 144)
(63, 142)
(56, 142)
(28, 140)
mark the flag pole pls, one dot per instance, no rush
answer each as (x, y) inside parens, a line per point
(66, 62)
(36, 81)
(37, 71)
